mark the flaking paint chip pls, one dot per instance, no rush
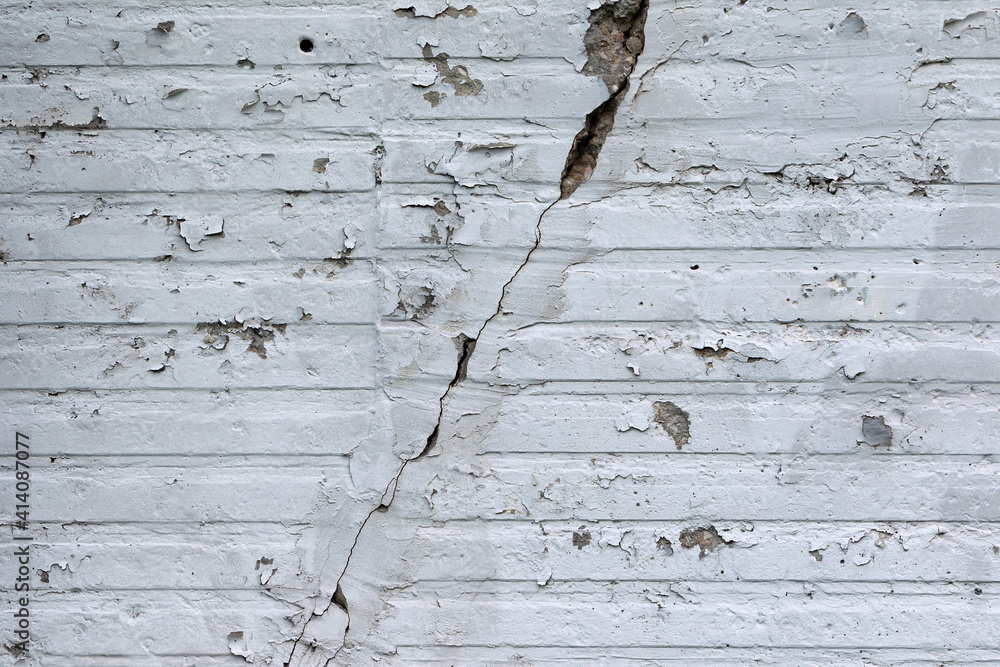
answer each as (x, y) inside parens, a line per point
(196, 231)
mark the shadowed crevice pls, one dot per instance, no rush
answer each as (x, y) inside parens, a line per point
(466, 346)
(614, 41)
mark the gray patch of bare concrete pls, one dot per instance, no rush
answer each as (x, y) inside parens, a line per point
(706, 539)
(675, 421)
(614, 41)
(875, 431)
(457, 77)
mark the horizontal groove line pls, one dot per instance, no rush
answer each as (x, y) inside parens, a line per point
(573, 523)
(620, 324)
(838, 390)
(564, 70)
(536, 381)
(38, 199)
(906, 252)
(248, 191)
(168, 193)
(554, 57)
(342, 130)
(799, 456)
(194, 524)
(147, 657)
(199, 390)
(214, 389)
(747, 382)
(259, 191)
(335, 132)
(625, 190)
(109, 457)
(363, 324)
(697, 519)
(721, 582)
(853, 252)
(729, 646)
(265, 323)
(624, 324)
(264, 264)
(42, 592)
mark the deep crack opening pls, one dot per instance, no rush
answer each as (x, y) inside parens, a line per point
(431, 441)
(614, 41)
(340, 600)
(466, 346)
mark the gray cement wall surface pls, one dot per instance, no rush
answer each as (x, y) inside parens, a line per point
(400, 332)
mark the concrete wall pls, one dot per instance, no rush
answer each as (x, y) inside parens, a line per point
(325, 360)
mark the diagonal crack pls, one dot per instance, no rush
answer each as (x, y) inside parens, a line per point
(614, 41)
(466, 346)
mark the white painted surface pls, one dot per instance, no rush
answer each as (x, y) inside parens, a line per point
(235, 276)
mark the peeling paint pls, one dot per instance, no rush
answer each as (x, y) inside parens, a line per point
(217, 335)
(457, 77)
(481, 406)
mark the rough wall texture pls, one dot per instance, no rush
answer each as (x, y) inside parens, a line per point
(504, 333)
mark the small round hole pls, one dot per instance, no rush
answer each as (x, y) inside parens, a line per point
(306, 45)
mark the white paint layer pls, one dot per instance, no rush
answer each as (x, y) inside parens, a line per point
(318, 368)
